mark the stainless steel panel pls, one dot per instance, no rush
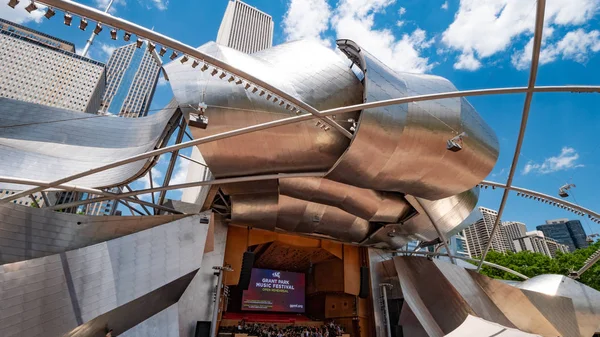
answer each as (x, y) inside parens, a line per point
(53, 143)
(367, 204)
(586, 300)
(27, 232)
(306, 70)
(403, 147)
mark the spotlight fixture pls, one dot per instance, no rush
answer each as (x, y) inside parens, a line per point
(455, 144)
(518, 194)
(222, 76)
(162, 51)
(247, 86)
(195, 64)
(49, 13)
(204, 67)
(238, 82)
(262, 92)
(173, 55)
(127, 36)
(275, 100)
(184, 59)
(231, 79)
(113, 33)
(287, 107)
(269, 97)
(254, 90)
(13, 3)
(214, 72)
(493, 187)
(31, 7)
(138, 43)
(83, 24)
(281, 103)
(98, 28)
(151, 46)
(68, 19)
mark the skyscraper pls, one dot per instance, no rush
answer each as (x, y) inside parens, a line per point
(245, 28)
(131, 77)
(478, 234)
(537, 242)
(513, 230)
(565, 231)
(40, 68)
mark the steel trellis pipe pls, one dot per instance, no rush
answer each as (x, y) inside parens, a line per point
(537, 44)
(302, 118)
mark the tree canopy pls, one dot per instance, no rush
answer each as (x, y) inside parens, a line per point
(532, 264)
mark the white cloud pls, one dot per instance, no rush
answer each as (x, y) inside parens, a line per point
(99, 51)
(499, 174)
(567, 159)
(485, 28)
(180, 173)
(355, 19)
(107, 49)
(20, 15)
(400, 23)
(161, 5)
(467, 62)
(402, 11)
(445, 5)
(145, 182)
(306, 19)
(101, 4)
(162, 81)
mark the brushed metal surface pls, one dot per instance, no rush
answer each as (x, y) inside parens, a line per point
(27, 232)
(403, 147)
(306, 70)
(367, 204)
(586, 300)
(56, 143)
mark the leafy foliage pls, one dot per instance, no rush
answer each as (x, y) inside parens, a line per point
(532, 264)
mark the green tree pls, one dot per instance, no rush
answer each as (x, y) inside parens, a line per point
(532, 264)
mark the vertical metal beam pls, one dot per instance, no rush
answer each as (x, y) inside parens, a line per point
(535, 57)
(386, 310)
(151, 185)
(174, 155)
(45, 197)
(34, 201)
(93, 36)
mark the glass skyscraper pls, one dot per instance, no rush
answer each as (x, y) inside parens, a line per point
(131, 77)
(567, 232)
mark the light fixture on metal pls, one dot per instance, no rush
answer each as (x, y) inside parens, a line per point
(139, 43)
(455, 144)
(113, 33)
(127, 36)
(239, 81)
(83, 24)
(162, 51)
(98, 28)
(231, 79)
(184, 59)
(562, 191)
(173, 55)
(214, 72)
(68, 19)
(198, 119)
(151, 46)
(204, 67)
(223, 74)
(13, 3)
(195, 63)
(31, 7)
(49, 13)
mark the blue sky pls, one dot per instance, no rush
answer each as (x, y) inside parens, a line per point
(475, 44)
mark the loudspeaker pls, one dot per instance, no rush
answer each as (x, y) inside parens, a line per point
(247, 264)
(202, 329)
(364, 282)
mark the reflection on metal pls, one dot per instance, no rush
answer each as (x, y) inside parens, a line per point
(402, 147)
(475, 326)
(445, 295)
(57, 143)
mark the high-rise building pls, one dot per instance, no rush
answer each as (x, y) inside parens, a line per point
(565, 231)
(535, 241)
(37, 200)
(131, 77)
(245, 28)
(477, 235)
(40, 68)
(513, 230)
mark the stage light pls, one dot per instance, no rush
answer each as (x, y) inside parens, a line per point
(162, 51)
(68, 19)
(222, 76)
(83, 24)
(287, 107)
(184, 59)
(151, 46)
(49, 13)
(13, 3)
(214, 72)
(262, 92)
(455, 144)
(231, 79)
(238, 82)
(254, 90)
(247, 86)
(195, 64)
(31, 7)
(98, 28)
(113, 34)
(139, 43)
(275, 99)
(173, 55)
(281, 103)
(269, 97)
(127, 36)
(204, 67)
